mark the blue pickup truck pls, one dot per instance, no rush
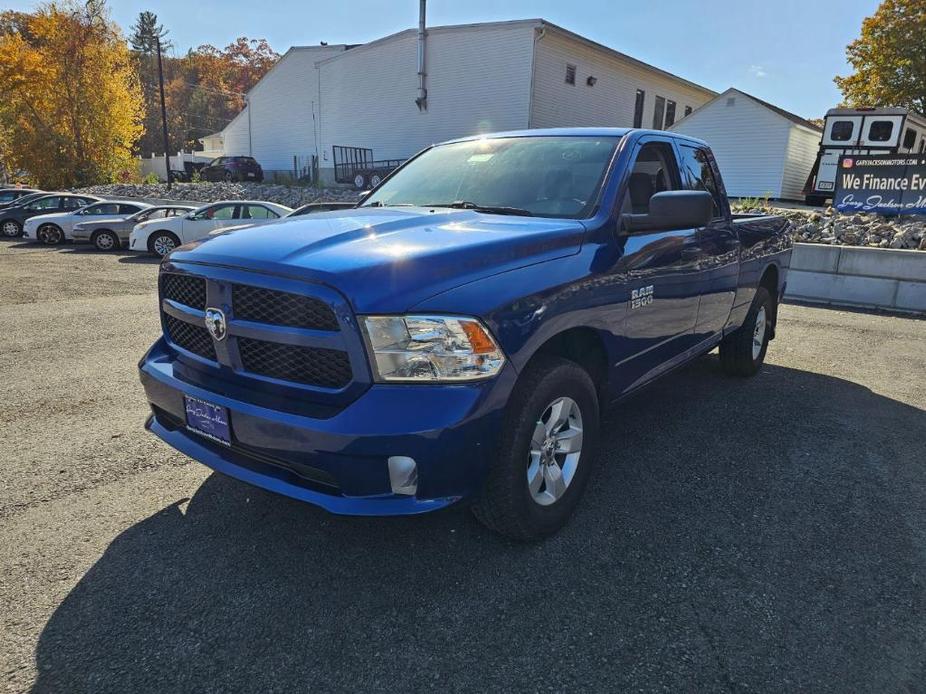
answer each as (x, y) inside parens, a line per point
(456, 336)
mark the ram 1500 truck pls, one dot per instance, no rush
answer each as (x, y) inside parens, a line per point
(456, 336)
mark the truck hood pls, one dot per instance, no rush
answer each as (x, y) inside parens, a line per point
(389, 259)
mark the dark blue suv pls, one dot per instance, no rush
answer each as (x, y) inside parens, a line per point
(456, 337)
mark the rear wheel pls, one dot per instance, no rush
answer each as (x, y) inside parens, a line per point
(162, 242)
(49, 234)
(742, 352)
(360, 181)
(105, 240)
(376, 179)
(546, 451)
(11, 228)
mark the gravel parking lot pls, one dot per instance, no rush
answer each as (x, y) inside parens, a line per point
(760, 535)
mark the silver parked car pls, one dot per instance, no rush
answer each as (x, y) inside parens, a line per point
(109, 234)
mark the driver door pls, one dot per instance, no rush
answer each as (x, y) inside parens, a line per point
(656, 274)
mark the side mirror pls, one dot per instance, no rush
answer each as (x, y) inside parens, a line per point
(673, 209)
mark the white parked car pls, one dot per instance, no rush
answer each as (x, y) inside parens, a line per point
(55, 228)
(109, 234)
(161, 236)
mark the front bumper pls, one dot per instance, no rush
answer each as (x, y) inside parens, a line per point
(339, 463)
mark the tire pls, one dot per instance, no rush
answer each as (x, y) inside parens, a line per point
(360, 181)
(11, 229)
(49, 234)
(160, 243)
(229, 177)
(376, 179)
(743, 351)
(106, 240)
(511, 504)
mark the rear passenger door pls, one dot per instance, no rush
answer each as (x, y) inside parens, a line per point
(657, 270)
(718, 245)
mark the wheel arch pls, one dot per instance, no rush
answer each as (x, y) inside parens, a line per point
(583, 345)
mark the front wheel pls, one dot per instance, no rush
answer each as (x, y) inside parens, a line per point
(743, 351)
(11, 229)
(162, 242)
(49, 234)
(546, 451)
(105, 240)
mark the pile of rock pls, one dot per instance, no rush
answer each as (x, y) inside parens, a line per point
(291, 196)
(832, 228)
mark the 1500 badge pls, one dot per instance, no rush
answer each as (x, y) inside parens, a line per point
(641, 297)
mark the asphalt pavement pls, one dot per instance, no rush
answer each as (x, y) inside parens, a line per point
(738, 535)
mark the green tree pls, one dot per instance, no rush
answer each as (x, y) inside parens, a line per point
(145, 34)
(144, 38)
(889, 58)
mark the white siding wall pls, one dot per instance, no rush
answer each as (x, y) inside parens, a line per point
(748, 140)
(610, 102)
(801, 154)
(478, 81)
(281, 109)
(235, 136)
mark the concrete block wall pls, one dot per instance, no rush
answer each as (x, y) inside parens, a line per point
(879, 278)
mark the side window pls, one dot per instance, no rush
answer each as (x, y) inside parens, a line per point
(654, 171)
(45, 204)
(638, 109)
(258, 212)
(128, 209)
(659, 112)
(698, 175)
(841, 131)
(909, 139)
(880, 131)
(225, 212)
(73, 203)
(109, 208)
(8, 195)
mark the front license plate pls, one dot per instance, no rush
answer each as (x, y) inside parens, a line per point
(207, 420)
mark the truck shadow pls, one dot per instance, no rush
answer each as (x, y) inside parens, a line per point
(737, 533)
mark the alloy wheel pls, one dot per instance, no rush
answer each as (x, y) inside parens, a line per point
(48, 234)
(105, 241)
(555, 449)
(10, 228)
(163, 245)
(758, 333)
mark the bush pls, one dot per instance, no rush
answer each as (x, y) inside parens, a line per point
(151, 179)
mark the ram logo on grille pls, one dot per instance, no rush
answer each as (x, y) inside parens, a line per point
(215, 324)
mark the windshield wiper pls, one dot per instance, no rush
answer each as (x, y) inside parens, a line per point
(490, 209)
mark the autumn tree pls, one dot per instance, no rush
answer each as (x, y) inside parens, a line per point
(889, 58)
(71, 102)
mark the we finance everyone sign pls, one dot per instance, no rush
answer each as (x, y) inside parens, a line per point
(885, 183)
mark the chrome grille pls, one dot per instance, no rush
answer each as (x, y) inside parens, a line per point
(282, 308)
(184, 289)
(193, 338)
(329, 368)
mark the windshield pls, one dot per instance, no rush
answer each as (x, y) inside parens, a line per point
(540, 176)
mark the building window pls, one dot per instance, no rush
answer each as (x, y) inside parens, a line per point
(638, 109)
(670, 113)
(909, 139)
(880, 131)
(570, 74)
(688, 110)
(659, 112)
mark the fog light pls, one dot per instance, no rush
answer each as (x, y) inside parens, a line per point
(403, 475)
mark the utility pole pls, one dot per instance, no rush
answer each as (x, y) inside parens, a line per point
(163, 112)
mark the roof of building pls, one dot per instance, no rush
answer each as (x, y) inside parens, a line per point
(793, 117)
(536, 22)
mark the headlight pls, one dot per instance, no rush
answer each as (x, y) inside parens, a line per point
(431, 348)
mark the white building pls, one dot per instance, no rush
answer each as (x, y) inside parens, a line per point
(479, 78)
(762, 150)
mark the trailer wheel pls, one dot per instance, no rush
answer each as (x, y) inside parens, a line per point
(360, 181)
(376, 179)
